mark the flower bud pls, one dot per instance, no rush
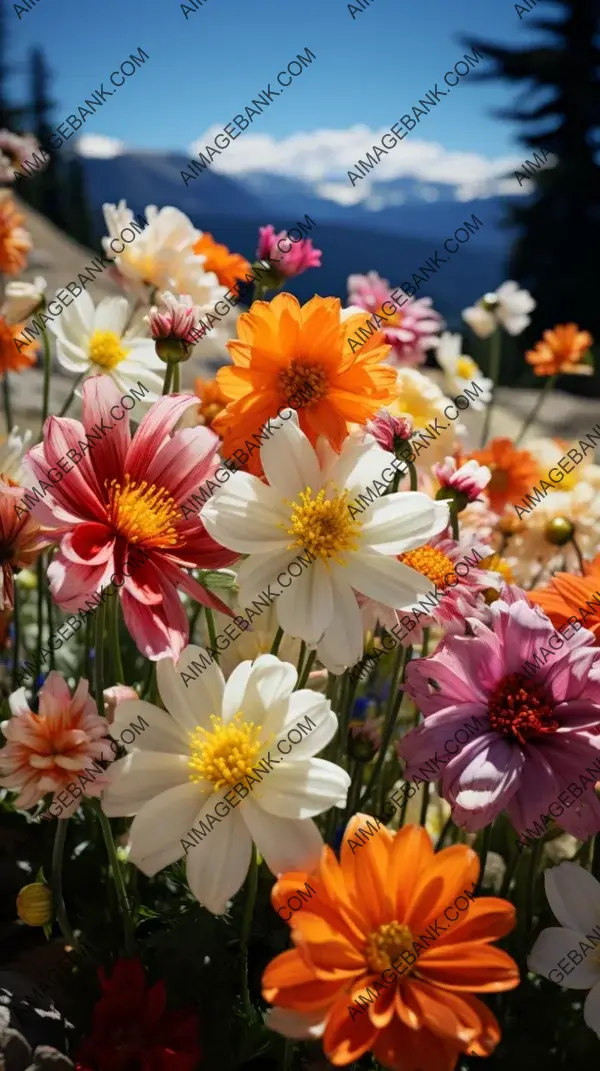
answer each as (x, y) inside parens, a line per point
(465, 482)
(34, 904)
(389, 431)
(559, 531)
(22, 300)
(174, 327)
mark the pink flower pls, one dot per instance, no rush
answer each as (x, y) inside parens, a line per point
(410, 330)
(178, 318)
(46, 751)
(125, 496)
(114, 695)
(389, 431)
(536, 701)
(20, 539)
(469, 480)
(287, 262)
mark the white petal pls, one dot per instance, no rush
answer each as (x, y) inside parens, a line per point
(191, 702)
(387, 580)
(111, 315)
(293, 1024)
(591, 1009)
(290, 463)
(402, 521)
(268, 690)
(305, 707)
(218, 864)
(284, 843)
(343, 641)
(247, 516)
(480, 321)
(574, 896)
(552, 946)
(305, 609)
(235, 690)
(258, 571)
(157, 830)
(162, 733)
(304, 789)
(368, 467)
(139, 777)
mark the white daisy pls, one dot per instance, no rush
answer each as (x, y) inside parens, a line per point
(225, 766)
(461, 371)
(21, 299)
(11, 455)
(507, 306)
(569, 955)
(96, 339)
(353, 541)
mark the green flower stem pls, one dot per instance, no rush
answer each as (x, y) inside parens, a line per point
(50, 612)
(485, 847)
(579, 557)
(117, 874)
(99, 656)
(454, 522)
(536, 855)
(443, 834)
(301, 657)
(494, 374)
(7, 405)
(403, 658)
(40, 608)
(114, 636)
(212, 632)
(509, 873)
(548, 385)
(251, 887)
(176, 379)
(424, 805)
(306, 671)
(17, 635)
(60, 910)
(194, 620)
(277, 641)
(67, 404)
(47, 374)
(168, 379)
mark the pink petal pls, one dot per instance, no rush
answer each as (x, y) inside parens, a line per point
(100, 394)
(153, 432)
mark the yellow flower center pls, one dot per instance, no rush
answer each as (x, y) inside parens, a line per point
(105, 349)
(225, 754)
(395, 319)
(430, 562)
(303, 383)
(142, 513)
(323, 526)
(498, 565)
(466, 368)
(386, 944)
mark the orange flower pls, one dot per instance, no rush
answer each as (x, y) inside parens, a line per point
(21, 538)
(514, 472)
(286, 350)
(212, 400)
(15, 242)
(561, 350)
(394, 909)
(13, 358)
(572, 596)
(228, 267)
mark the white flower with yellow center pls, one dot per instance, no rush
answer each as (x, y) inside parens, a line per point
(422, 400)
(461, 371)
(330, 515)
(96, 340)
(226, 765)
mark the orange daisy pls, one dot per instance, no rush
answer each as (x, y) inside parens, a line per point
(514, 472)
(572, 596)
(285, 350)
(15, 241)
(228, 267)
(393, 924)
(561, 350)
(13, 359)
(212, 400)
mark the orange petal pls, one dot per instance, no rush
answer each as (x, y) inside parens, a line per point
(451, 872)
(366, 866)
(411, 854)
(469, 967)
(347, 1037)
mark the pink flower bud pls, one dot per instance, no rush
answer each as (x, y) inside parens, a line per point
(114, 695)
(389, 431)
(177, 318)
(286, 261)
(469, 480)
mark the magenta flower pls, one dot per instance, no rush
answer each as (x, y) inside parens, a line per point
(468, 480)
(536, 698)
(286, 261)
(389, 431)
(411, 329)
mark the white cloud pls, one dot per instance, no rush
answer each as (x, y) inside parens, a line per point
(98, 145)
(326, 156)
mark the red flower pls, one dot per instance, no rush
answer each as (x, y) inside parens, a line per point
(132, 1031)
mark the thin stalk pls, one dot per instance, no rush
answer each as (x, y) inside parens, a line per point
(425, 643)
(194, 620)
(538, 405)
(67, 404)
(596, 857)
(424, 805)
(176, 379)
(212, 633)
(579, 556)
(99, 657)
(277, 641)
(168, 379)
(391, 718)
(60, 910)
(40, 609)
(288, 1054)
(17, 634)
(301, 657)
(485, 847)
(113, 629)
(306, 671)
(7, 404)
(536, 854)
(353, 802)
(509, 873)
(454, 522)
(47, 373)
(50, 613)
(494, 373)
(413, 476)
(443, 834)
(117, 874)
(251, 887)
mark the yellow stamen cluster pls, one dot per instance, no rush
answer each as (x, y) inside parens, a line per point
(105, 349)
(324, 526)
(431, 563)
(225, 754)
(394, 320)
(466, 368)
(143, 513)
(303, 380)
(386, 944)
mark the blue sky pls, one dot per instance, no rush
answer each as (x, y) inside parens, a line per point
(204, 69)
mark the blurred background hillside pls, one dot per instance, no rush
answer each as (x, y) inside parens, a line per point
(537, 86)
